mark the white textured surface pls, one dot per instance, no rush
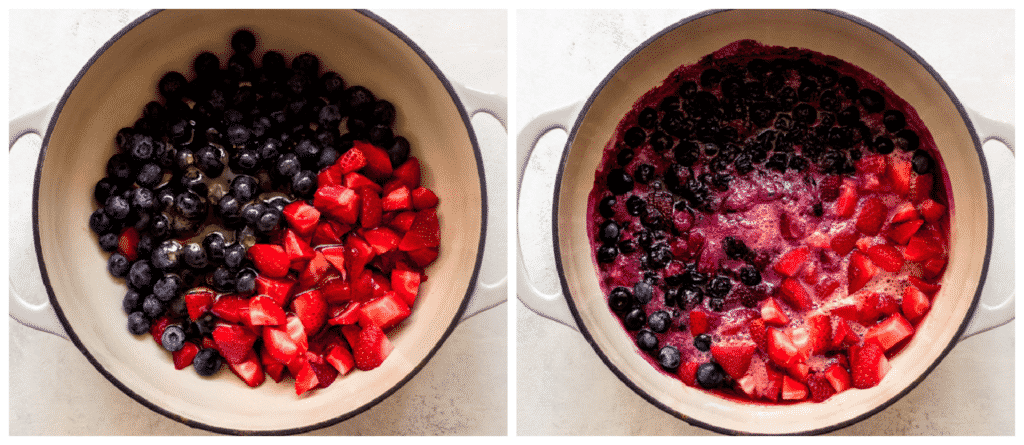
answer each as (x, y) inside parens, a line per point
(53, 388)
(563, 388)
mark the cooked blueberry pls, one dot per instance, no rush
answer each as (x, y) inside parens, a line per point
(118, 265)
(849, 87)
(193, 178)
(635, 319)
(172, 85)
(167, 287)
(716, 304)
(234, 255)
(643, 292)
(668, 358)
(922, 162)
(659, 256)
(646, 340)
(744, 164)
(805, 114)
(635, 205)
(735, 248)
(138, 324)
(287, 165)
(799, 163)
(608, 233)
(621, 300)
(807, 90)
(648, 118)
(624, 156)
(787, 98)
(251, 212)
(849, 116)
(152, 307)
(222, 279)
(750, 276)
(719, 286)
(607, 254)
(732, 87)
(907, 140)
(685, 153)
(720, 181)
(883, 145)
(627, 246)
(710, 375)
(872, 100)
(778, 162)
(195, 256)
(209, 160)
(659, 321)
(634, 137)
(670, 103)
(652, 218)
(687, 89)
(710, 77)
(207, 362)
(702, 342)
(674, 121)
(245, 281)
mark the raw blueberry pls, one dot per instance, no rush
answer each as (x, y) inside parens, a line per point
(209, 160)
(624, 156)
(399, 151)
(99, 222)
(152, 307)
(223, 279)
(251, 212)
(659, 321)
(646, 340)
(668, 358)
(229, 208)
(117, 207)
(214, 244)
(173, 338)
(167, 256)
(118, 265)
(635, 205)
(167, 287)
(149, 175)
(138, 324)
(243, 41)
(702, 342)
(190, 205)
(735, 248)
(195, 256)
(234, 255)
(268, 220)
(131, 300)
(287, 166)
(607, 207)
(245, 281)
(172, 86)
(619, 181)
(304, 184)
(207, 362)
(710, 375)
(140, 275)
(635, 319)
(108, 242)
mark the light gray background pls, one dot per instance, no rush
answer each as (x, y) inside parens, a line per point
(562, 385)
(53, 388)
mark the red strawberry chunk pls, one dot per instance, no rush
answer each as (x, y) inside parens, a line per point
(781, 348)
(184, 356)
(932, 268)
(425, 232)
(921, 188)
(234, 342)
(846, 203)
(385, 311)
(264, 311)
(382, 239)
(340, 202)
(926, 287)
(872, 216)
(378, 164)
(280, 345)
(408, 174)
(328, 176)
(688, 373)
(128, 242)
(249, 369)
(422, 257)
(336, 290)
(397, 200)
(886, 257)
(231, 308)
(349, 315)
(889, 332)
(325, 372)
(905, 212)
(357, 254)
(772, 314)
(277, 288)
(791, 262)
(424, 198)
(355, 181)
(270, 260)
(915, 303)
(900, 171)
(901, 233)
(350, 161)
(700, 322)
(838, 377)
(402, 222)
(842, 335)
(869, 365)
(372, 347)
(829, 188)
(921, 248)
(371, 212)
(342, 360)
(794, 293)
(819, 330)
(302, 217)
(305, 378)
(821, 389)
(871, 164)
(759, 333)
(297, 332)
(792, 389)
(311, 309)
(198, 301)
(328, 232)
(406, 284)
(734, 356)
(273, 368)
(315, 271)
(297, 249)
(860, 271)
(843, 242)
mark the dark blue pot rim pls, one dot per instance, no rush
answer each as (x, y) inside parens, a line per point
(653, 400)
(192, 423)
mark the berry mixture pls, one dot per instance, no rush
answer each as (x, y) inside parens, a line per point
(266, 218)
(770, 224)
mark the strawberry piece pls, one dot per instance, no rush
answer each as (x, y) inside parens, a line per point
(280, 345)
(794, 293)
(234, 342)
(905, 212)
(933, 267)
(264, 311)
(829, 188)
(128, 242)
(870, 183)
(355, 181)
(297, 250)
(899, 173)
(734, 356)
(378, 164)
(889, 332)
(921, 188)
(385, 311)
(357, 254)
(277, 288)
(249, 369)
(790, 263)
(198, 301)
(926, 287)
(901, 233)
(362, 286)
(408, 174)
(846, 203)
(371, 210)
(340, 202)
(397, 200)
(821, 389)
(772, 314)
(328, 176)
(887, 304)
(424, 198)
(315, 271)
(860, 271)
(886, 257)
(790, 228)
(156, 329)
(297, 332)
(837, 377)
(921, 248)
(402, 222)
(271, 366)
(349, 315)
(915, 303)
(406, 284)
(843, 242)
(825, 288)
(379, 284)
(335, 290)
(184, 356)
(328, 232)
(688, 373)
(842, 335)
(372, 347)
(819, 330)
(342, 360)
(270, 260)
(350, 161)
(700, 322)
(425, 232)
(781, 349)
(869, 365)
(747, 384)
(874, 164)
(422, 257)
(302, 217)
(325, 372)
(382, 239)
(771, 387)
(231, 308)
(792, 389)
(305, 378)
(311, 309)
(872, 216)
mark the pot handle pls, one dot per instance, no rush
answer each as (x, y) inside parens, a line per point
(550, 306)
(492, 284)
(996, 306)
(39, 316)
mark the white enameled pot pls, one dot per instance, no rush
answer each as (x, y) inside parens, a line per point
(109, 93)
(968, 303)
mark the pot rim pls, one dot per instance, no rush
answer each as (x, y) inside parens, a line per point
(288, 431)
(651, 399)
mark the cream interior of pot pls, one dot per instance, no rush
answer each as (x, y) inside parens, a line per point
(111, 95)
(830, 35)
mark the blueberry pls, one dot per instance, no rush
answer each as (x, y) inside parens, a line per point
(357, 98)
(648, 118)
(172, 86)
(659, 256)
(621, 300)
(659, 321)
(627, 246)
(778, 162)
(607, 254)
(190, 205)
(269, 151)
(209, 159)
(118, 265)
(908, 140)
(184, 158)
(646, 340)
(287, 166)
(849, 116)
(643, 292)
(108, 242)
(304, 184)
(624, 156)
(644, 173)
(138, 324)
(229, 208)
(710, 77)
(652, 218)
(328, 156)
(381, 135)
(308, 64)
(206, 64)
(243, 41)
(635, 319)
(922, 162)
(131, 300)
(750, 276)
(710, 375)
(805, 114)
(195, 256)
(719, 286)
(607, 206)
(117, 207)
(173, 338)
(149, 175)
(238, 134)
(105, 188)
(668, 358)
(207, 362)
(152, 307)
(735, 248)
(193, 179)
(142, 200)
(634, 137)
(399, 151)
(849, 87)
(245, 281)
(167, 287)
(635, 205)
(872, 100)
(608, 232)
(140, 275)
(223, 279)
(331, 86)
(251, 212)
(240, 67)
(619, 182)
(716, 304)
(702, 342)
(234, 255)
(167, 256)
(269, 220)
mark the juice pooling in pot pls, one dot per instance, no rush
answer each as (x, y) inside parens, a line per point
(770, 224)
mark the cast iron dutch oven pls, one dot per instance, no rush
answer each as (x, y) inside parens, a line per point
(109, 93)
(591, 125)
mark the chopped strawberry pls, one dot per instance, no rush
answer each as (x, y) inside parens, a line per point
(772, 314)
(335, 290)
(231, 308)
(264, 311)
(297, 332)
(350, 161)
(794, 293)
(385, 311)
(273, 368)
(771, 387)
(886, 257)
(869, 365)
(821, 389)
(790, 227)
(234, 342)
(825, 288)
(128, 242)
(371, 209)
(905, 212)
(700, 322)
(378, 164)
(871, 164)
(328, 232)
(355, 181)
(311, 309)
(362, 285)
(198, 301)
(347, 315)
(932, 268)
(422, 257)
(270, 260)
(921, 248)
(901, 233)
(747, 384)
(860, 271)
(249, 369)
(819, 329)
(340, 357)
(424, 233)
(408, 173)
(277, 288)
(382, 239)
(379, 284)
(829, 188)
(406, 284)
(926, 287)
(781, 348)
(328, 176)
(305, 378)
(759, 333)
(340, 202)
(921, 188)
(184, 356)
(371, 348)
(846, 203)
(302, 217)
(791, 262)
(397, 200)
(842, 335)
(889, 332)
(837, 377)
(279, 344)
(915, 303)
(315, 271)
(297, 249)
(424, 198)
(870, 183)
(402, 222)
(872, 216)
(792, 389)
(734, 356)
(843, 242)
(688, 373)
(900, 171)
(887, 304)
